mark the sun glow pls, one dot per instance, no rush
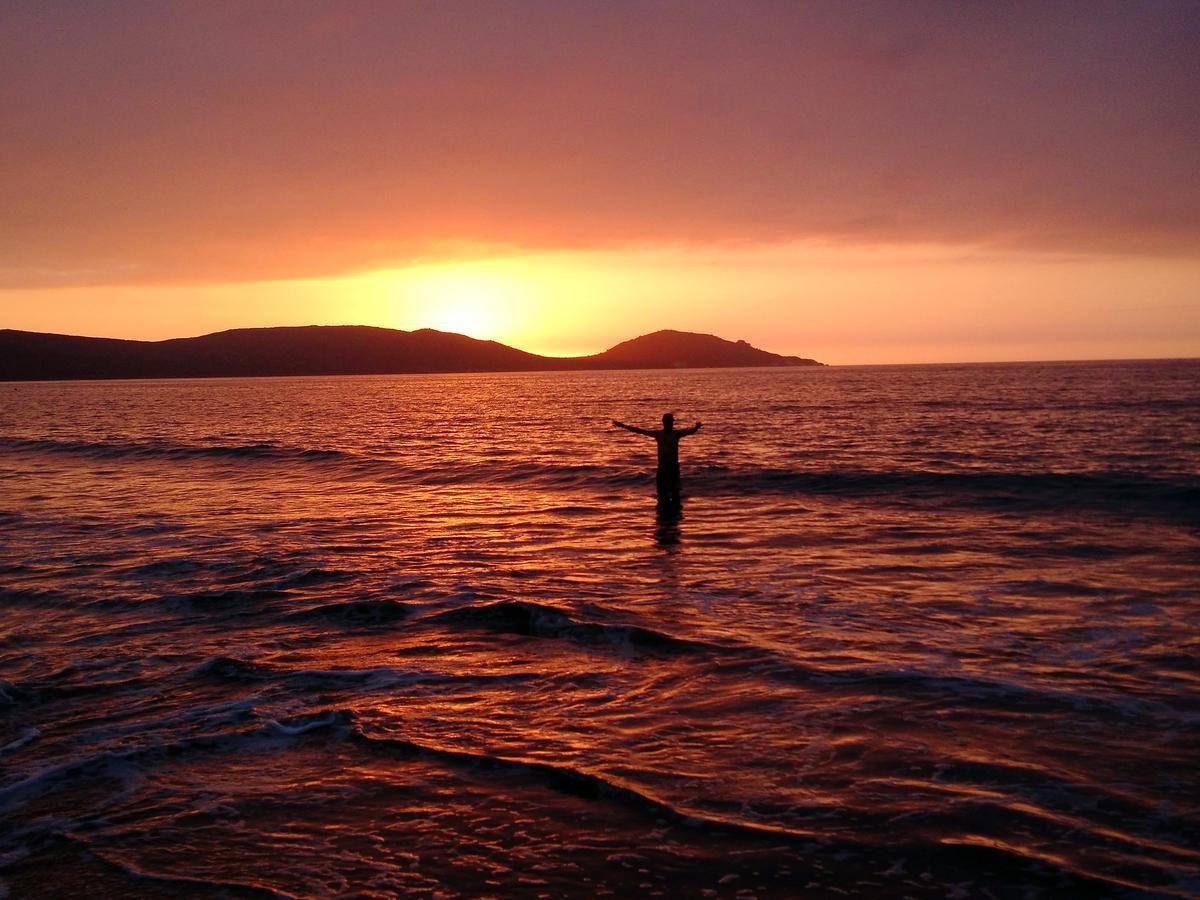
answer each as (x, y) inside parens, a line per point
(833, 303)
(468, 299)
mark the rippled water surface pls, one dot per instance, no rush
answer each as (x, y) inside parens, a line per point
(921, 631)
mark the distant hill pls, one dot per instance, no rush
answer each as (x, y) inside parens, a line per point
(686, 350)
(346, 350)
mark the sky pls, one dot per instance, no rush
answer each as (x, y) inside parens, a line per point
(856, 182)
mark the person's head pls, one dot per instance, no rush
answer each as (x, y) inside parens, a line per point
(668, 421)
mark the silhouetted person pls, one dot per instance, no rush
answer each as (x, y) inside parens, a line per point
(667, 439)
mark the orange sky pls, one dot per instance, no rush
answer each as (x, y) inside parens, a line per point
(877, 183)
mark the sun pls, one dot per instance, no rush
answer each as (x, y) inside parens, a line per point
(474, 301)
(464, 317)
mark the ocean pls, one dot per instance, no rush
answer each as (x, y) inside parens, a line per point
(920, 631)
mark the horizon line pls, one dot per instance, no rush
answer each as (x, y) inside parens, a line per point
(544, 355)
(978, 362)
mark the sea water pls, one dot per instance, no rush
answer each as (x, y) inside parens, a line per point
(922, 631)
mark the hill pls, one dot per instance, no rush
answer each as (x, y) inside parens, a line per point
(345, 350)
(686, 350)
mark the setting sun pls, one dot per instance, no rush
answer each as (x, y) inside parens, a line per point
(470, 300)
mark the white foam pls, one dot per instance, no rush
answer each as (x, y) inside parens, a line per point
(26, 736)
(324, 721)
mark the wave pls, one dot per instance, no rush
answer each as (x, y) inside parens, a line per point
(27, 736)
(968, 854)
(957, 854)
(1131, 493)
(952, 689)
(178, 885)
(742, 660)
(347, 463)
(522, 617)
(578, 783)
(10, 694)
(233, 669)
(164, 449)
(355, 613)
(227, 602)
(342, 724)
(236, 670)
(116, 761)
(990, 488)
(307, 577)
(263, 573)
(230, 668)
(526, 618)
(34, 596)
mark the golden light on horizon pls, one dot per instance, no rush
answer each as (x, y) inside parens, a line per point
(835, 303)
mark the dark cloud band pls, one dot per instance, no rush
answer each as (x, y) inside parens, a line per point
(214, 141)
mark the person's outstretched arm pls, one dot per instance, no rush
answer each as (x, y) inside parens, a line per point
(686, 431)
(633, 428)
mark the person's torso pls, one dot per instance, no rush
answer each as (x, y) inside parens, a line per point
(668, 448)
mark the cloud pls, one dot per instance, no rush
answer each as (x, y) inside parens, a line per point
(148, 143)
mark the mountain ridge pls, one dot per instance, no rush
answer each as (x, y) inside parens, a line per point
(347, 350)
